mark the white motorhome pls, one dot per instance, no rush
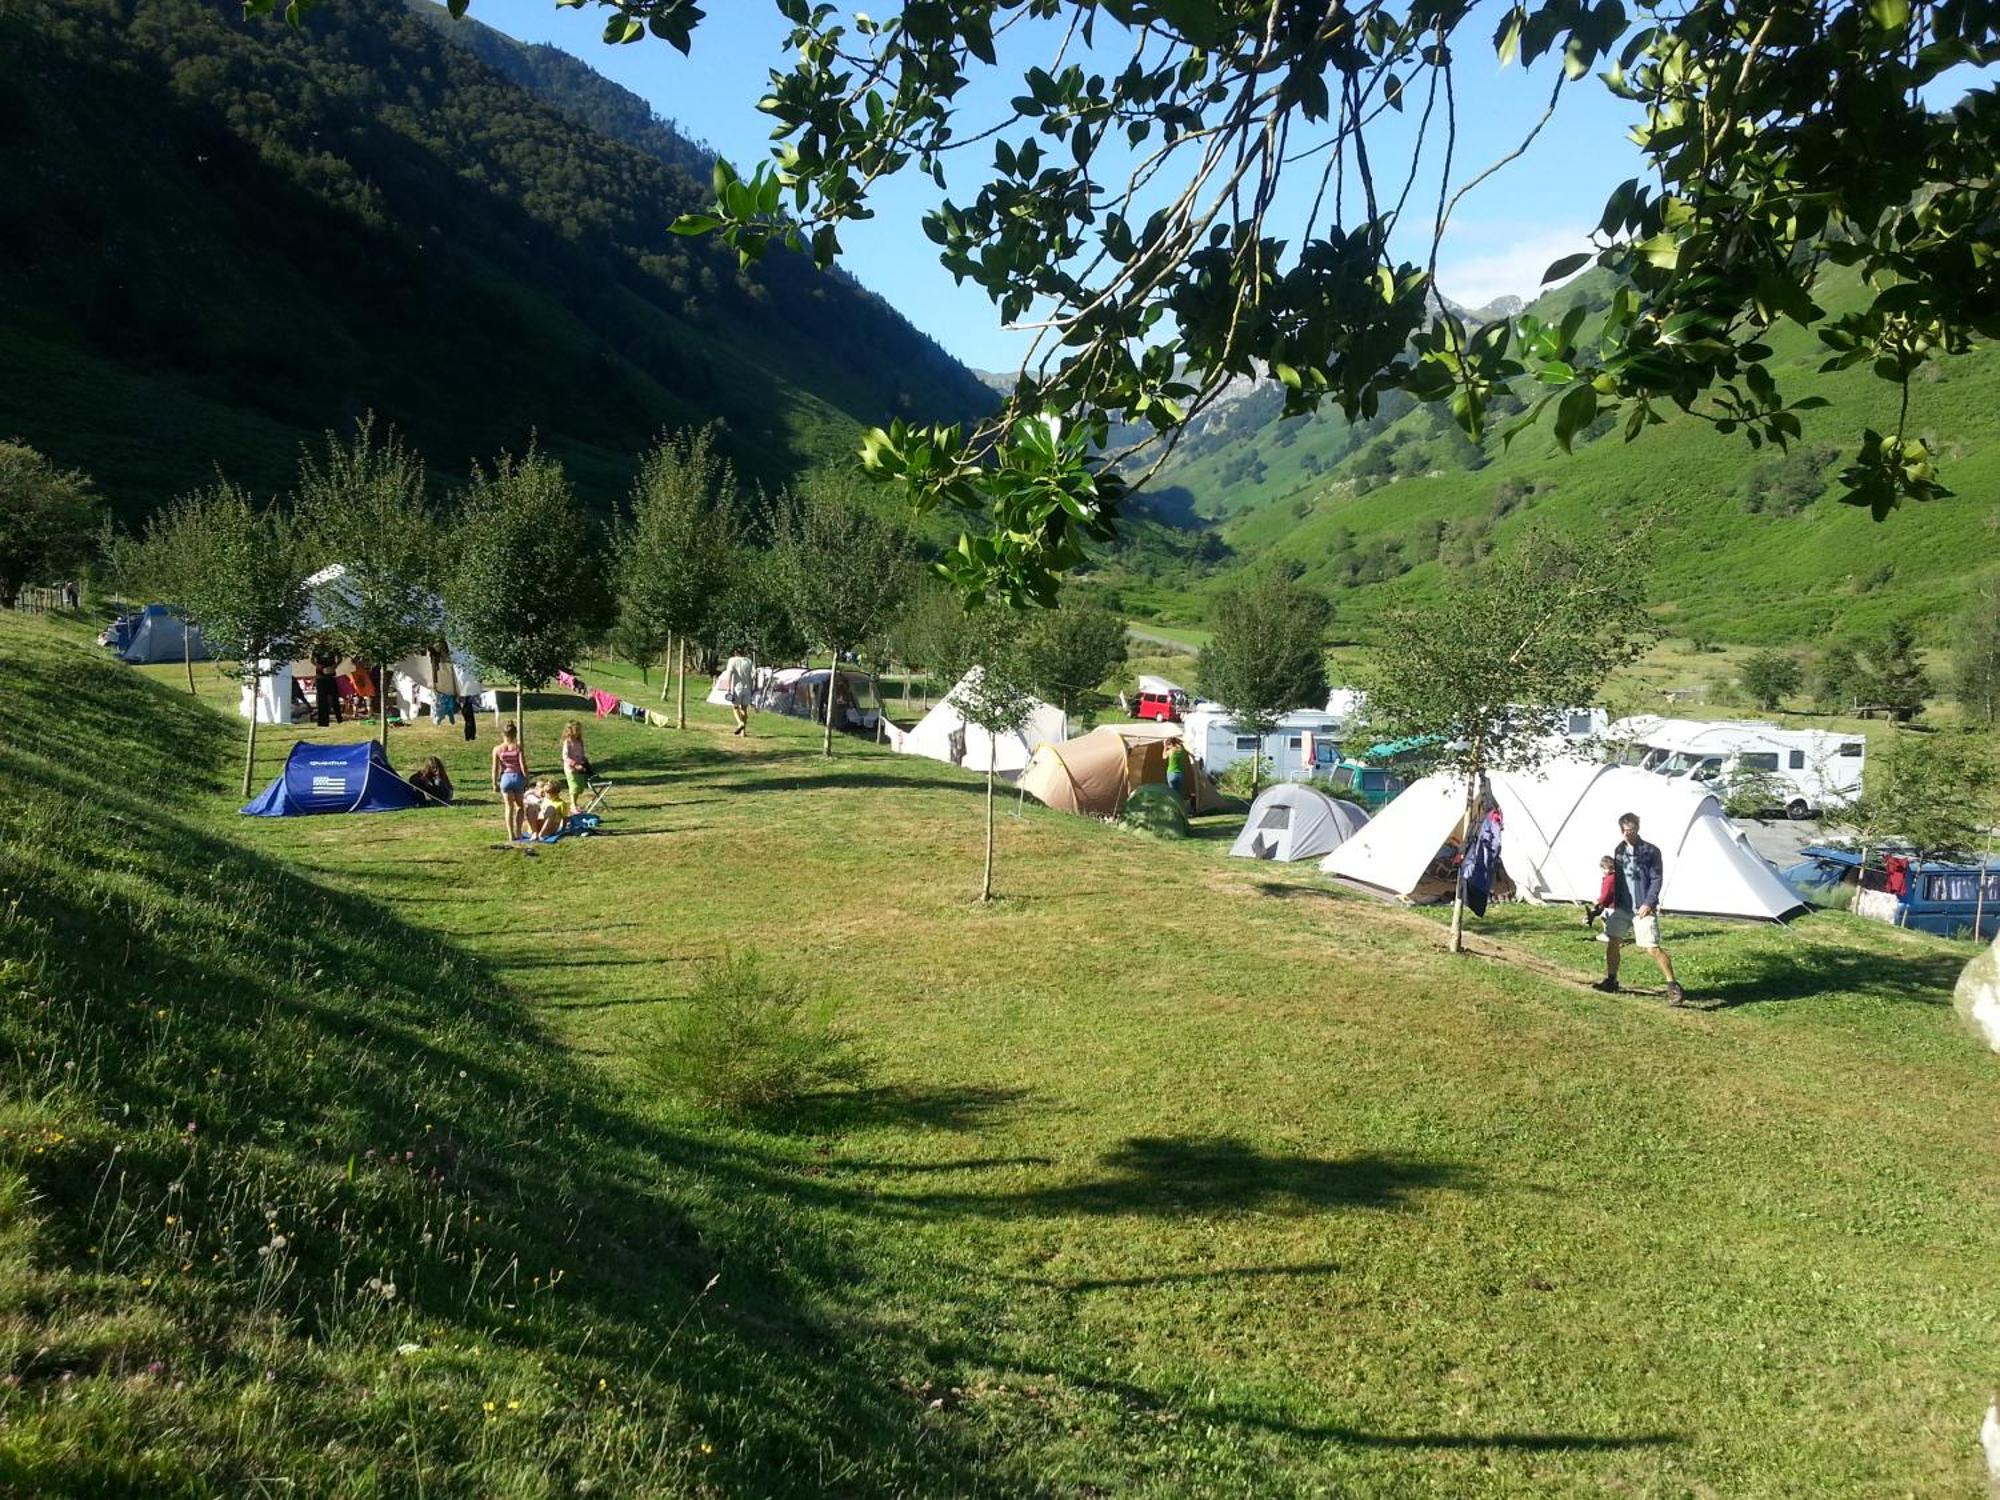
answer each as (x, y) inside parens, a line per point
(1305, 743)
(1808, 770)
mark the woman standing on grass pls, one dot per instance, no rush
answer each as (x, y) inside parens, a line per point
(510, 776)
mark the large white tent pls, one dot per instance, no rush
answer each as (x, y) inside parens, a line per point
(946, 734)
(1292, 821)
(1558, 822)
(274, 694)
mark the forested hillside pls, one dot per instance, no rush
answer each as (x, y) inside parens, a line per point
(220, 237)
(1754, 547)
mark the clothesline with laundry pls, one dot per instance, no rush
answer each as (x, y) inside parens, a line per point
(610, 705)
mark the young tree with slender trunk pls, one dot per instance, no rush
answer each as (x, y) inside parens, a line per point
(1266, 655)
(244, 581)
(1976, 662)
(1072, 648)
(527, 588)
(1490, 669)
(674, 544)
(996, 692)
(362, 506)
(167, 561)
(844, 570)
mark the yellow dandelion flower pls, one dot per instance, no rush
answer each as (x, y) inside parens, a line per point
(513, 1406)
(486, 1406)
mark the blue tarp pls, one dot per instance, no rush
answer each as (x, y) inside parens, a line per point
(335, 779)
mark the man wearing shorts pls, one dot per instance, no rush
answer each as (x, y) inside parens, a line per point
(1635, 911)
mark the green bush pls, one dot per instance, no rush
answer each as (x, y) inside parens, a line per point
(748, 1040)
(1155, 810)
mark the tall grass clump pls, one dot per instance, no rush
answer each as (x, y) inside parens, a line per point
(750, 1040)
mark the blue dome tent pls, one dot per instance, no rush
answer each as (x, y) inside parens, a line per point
(335, 779)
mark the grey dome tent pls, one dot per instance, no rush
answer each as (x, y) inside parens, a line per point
(1292, 821)
(156, 636)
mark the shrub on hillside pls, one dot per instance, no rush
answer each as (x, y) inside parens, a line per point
(748, 1040)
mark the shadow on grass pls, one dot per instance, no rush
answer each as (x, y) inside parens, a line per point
(964, 1107)
(1814, 973)
(1171, 1175)
(1139, 1399)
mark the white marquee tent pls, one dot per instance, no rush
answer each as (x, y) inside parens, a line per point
(274, 693)
(945, 734)
(1292, 821)
(1558, 821)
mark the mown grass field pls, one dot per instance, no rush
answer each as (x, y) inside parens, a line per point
(1177, 1175)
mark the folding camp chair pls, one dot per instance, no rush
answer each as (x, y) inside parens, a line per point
(599, 787)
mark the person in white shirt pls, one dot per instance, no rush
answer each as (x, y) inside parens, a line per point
(739, 685)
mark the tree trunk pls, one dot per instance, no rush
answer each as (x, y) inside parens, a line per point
(250, 755)
(187, 650)
(667, 677)
(681, 710)
(986, 884)
(1257, 768)
(881, 705)
(832, 682)
(383, 682)
(520, 724)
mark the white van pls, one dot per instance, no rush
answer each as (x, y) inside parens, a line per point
(1808, 770)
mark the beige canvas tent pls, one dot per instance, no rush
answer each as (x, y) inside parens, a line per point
(1096, 772)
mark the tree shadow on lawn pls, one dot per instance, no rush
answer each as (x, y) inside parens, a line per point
(259, 1038)
(898, 1106)
(1137, 1398)
(1820, 973)
(1172, 1175)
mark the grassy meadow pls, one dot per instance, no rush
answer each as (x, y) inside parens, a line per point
(327, 1166)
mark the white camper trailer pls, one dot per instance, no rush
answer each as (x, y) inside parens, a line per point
(1305, 743)
(1807, 770)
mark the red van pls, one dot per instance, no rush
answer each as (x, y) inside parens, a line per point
(1160, 699)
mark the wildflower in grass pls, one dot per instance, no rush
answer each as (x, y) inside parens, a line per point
(487, 1407)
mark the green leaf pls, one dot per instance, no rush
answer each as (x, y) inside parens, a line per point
(1576, 411)
(695, 224)
(1569, 265)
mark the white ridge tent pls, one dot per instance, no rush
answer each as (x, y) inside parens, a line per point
(1558, 821)
(159, 635)
(945, 734)
(1292, 821)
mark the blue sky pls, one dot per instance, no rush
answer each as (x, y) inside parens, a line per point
(1501, 237)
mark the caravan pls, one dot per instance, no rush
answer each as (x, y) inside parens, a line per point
(1800, 771)
(1304, 744)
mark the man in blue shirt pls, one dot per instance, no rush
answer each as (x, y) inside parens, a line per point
(1635, 910)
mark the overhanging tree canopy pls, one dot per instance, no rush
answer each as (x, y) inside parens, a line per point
(1130, 204)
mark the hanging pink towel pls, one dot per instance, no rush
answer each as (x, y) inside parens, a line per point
(607, 703)
(565, 680)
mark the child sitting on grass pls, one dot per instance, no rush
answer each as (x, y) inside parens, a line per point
(1607, 892)
(543, 811)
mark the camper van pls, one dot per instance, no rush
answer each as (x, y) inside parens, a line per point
(1304, 745)
(1949, 899)
(1806, 771)
(1161, 700)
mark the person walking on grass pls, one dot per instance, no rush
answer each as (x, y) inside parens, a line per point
(739, 685)
(1637, 875)
(510, 776)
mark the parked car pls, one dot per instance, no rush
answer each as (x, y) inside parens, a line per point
(1161, 700)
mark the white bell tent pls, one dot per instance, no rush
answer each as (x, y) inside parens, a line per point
(946, 734)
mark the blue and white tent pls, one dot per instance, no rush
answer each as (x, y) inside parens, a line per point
(154, 635)
(335, 779)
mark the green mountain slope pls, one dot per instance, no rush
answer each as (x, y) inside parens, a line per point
(1752, 546)
(222, 237)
